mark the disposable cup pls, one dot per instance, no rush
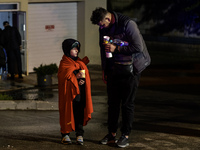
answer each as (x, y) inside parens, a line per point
(106, 39)
(83, 73)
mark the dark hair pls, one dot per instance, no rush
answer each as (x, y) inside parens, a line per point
(98, 14)
(5, 22)
(69, 44)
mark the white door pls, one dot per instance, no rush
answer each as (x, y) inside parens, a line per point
(48, 25)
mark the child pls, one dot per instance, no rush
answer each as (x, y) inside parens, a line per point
(75, 102)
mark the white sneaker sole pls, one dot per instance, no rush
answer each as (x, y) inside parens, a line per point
(122, 146)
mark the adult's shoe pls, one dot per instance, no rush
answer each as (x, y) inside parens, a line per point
(109, 138)
(123, 142)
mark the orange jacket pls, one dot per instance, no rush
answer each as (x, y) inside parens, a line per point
(68, 89)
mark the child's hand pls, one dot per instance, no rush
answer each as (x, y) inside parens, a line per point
(81, 82)
(80, 75)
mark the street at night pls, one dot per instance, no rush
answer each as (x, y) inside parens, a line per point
(166, 116)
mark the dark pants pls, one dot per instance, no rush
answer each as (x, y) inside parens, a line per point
(78, 108)
(14, 57)
(121, 89)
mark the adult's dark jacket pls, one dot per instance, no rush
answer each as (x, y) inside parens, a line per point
(0, 35)
(2, 53)
(125, 29)
(10, 38)
(11, 41)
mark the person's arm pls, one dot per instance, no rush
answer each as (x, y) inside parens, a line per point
(2, 38)
(102, 50)
(104, 77)
(134, 39)
(103, 56)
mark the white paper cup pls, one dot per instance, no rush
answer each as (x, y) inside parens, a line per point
(83, 73)
(106, 39)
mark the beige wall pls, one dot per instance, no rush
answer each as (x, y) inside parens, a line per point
(88, 34)
(44, 1)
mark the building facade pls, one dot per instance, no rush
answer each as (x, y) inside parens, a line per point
(44, 24)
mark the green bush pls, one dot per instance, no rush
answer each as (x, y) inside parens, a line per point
(43, 70)
(5, 97)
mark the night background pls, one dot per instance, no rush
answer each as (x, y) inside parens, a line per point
(171, 29)
(166, 15)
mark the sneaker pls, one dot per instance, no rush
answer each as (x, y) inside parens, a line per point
(66, 140)
(109, 138)
(79, 140)
(122, 142)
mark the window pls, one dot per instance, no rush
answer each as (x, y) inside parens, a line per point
(9, 6)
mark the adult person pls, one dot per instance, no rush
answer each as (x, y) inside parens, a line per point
(0, 34)
(11, 41)
(2, 60)
(75, 102)
(2, 54)
(119, 72)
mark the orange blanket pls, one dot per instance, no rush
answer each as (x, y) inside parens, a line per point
(68, 89)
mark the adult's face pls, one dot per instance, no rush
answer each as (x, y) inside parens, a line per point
(104, 23)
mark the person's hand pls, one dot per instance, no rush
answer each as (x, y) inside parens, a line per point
(79, 75)
(81, 82)
(110, 47)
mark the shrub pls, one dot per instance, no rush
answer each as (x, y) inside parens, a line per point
(5, 97)
(43, 70)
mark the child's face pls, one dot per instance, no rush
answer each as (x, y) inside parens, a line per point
(74, 52)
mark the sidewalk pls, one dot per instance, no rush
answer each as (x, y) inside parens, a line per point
(30, 100)
(46, 98)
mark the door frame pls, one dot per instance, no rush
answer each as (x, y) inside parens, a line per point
(19, 21)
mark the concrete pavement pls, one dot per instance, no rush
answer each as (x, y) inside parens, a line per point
(167, 115)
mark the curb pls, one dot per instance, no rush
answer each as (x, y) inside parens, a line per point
(27, 105)
(39, 104)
